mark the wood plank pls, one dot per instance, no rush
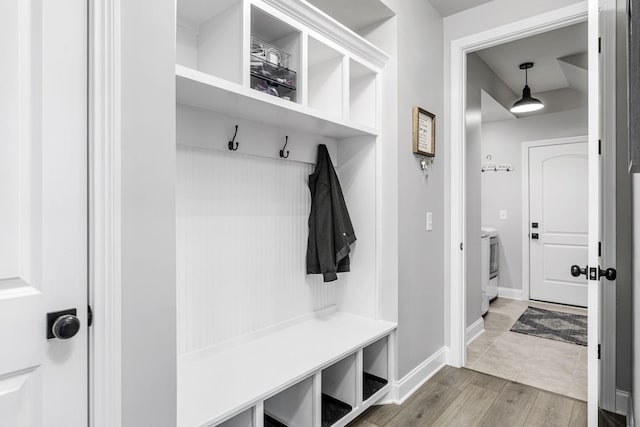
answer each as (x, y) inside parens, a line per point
(468, 408)
(432, 400)
(379, 415)
(489, 382)
(550, 410)
(511, 407)
(454, 377)
(578, 414)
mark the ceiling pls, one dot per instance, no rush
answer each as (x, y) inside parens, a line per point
(559, 59)
(450, 7)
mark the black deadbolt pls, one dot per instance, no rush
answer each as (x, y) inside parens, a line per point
(534, 225)
(62, 324)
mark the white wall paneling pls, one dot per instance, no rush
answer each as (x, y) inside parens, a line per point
(356, 158)
(242, 239)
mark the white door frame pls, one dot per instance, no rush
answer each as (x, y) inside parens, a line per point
(524, 152)
(455, 262)
(105, 341)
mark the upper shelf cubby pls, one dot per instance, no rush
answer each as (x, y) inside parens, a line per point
(209, 37)
(325, 78)
(274, 56)
(362, 94)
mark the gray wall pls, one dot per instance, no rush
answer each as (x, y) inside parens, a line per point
(420, 254)
(479, 77)
(148, 213)
(503, 190)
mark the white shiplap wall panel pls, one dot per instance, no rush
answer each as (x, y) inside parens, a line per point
(242, 225)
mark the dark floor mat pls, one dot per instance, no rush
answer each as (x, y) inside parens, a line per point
(371, 384)
(333, 410)
(553, 325)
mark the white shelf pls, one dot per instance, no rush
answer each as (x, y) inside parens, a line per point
(212, 386)
(212, 93)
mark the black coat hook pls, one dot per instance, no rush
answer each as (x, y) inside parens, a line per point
(282, 155)
(231, 146)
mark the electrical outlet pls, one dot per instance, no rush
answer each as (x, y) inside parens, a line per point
(503, 214)
(429, 221)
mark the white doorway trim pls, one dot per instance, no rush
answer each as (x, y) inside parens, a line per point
(524, 151)
(105, 349)
(458, 70)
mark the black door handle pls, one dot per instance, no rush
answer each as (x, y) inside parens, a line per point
(576, 271)
(534, 236)
(609, 273)
(62, 324)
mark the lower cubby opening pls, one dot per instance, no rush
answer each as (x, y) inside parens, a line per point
(243, 419)
(338, 390)
(292, 407)
(375, 363)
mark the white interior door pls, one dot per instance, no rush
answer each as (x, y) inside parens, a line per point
(559, 222)
(43, 215)
(595, 213)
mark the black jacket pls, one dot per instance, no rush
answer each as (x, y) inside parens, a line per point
(330, 229)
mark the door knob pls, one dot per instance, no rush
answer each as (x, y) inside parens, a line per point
(534, 236)
(609, 273)
(576, 271)
(62, 324)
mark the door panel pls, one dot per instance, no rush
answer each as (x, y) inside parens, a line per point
(43, 194)
(558, 201)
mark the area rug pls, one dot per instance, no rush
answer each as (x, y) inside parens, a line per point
(552, 325)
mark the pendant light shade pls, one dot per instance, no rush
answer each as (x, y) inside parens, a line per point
(527, 103)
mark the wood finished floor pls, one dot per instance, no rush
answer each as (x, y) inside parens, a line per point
(465, 398)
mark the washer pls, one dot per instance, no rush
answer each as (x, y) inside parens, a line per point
(484, 269)
(494, 263)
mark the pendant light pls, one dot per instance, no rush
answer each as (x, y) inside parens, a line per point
(527, 103)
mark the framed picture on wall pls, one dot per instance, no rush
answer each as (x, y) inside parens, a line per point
(424, 132)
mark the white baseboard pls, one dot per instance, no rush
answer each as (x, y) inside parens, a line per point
(622, 402)
(510, 293)
(406, 386)
(474, 330)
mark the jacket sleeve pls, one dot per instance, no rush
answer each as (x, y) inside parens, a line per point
(324, 233)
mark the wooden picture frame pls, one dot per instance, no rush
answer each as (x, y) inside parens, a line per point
(424, 132)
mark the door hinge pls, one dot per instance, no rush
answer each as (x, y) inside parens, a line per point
(599, 348)
(599, 249)
(599, 146)
(89, 316)
(460, 246)
(599, 44)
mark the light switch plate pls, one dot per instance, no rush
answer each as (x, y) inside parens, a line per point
(429, 221)
(503, 214)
